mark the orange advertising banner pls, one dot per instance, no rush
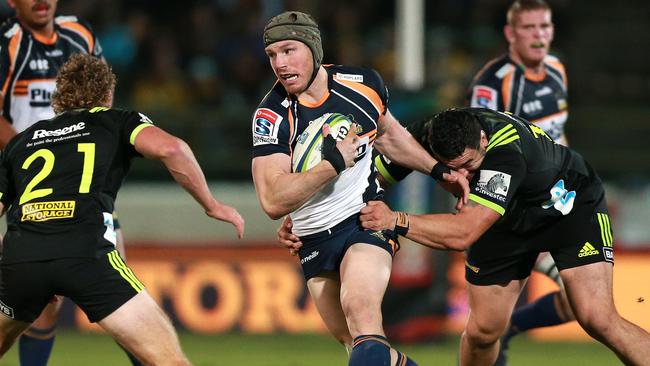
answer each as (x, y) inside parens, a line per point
(214, 289)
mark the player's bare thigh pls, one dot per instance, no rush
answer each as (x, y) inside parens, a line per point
(325, 290)
(142, 327)
(365, 271)
(491, 307)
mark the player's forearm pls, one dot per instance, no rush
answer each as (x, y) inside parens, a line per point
(439, 231)
(186, 171)
(287, 192)
(7, 132)
(402, 149)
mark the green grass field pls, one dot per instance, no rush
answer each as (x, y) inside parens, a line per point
(75, 349)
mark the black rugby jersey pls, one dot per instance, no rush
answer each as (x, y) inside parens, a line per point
(504, 85)
(29, 65)
(356, 92)
(528, 178)
(60, 178)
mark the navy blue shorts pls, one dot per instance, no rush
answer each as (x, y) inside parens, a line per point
(323, 251)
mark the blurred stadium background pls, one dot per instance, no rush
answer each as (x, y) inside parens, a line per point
(198, 69)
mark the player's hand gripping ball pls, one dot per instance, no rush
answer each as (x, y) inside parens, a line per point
(307, 152)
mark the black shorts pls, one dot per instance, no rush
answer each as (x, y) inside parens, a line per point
(323, 251)
(580, 238)
(98, 286)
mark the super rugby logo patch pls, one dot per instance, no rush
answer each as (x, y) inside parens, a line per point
(266, 125)
(493, 184)
(484, 96)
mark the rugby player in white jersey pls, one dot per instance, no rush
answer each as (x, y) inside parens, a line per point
(346, 267)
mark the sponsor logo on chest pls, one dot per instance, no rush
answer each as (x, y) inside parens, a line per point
(533, 107)
(349, 77)
(39, 65)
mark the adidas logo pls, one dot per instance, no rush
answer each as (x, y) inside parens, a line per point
(587, 250)
(379, 235)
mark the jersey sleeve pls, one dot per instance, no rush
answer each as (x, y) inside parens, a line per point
(272, 128)
(376, 82)
(484, 93)
(393, 173)
(82, 29)
(133, 124)
(94, 48)
(501, 173)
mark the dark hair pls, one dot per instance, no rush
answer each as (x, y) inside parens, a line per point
(84, 81)
(451, 131)
(524, 5)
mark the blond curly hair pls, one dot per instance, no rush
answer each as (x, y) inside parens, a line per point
(84, 81)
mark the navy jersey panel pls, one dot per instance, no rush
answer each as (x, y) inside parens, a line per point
(29, 66)
(504, 85)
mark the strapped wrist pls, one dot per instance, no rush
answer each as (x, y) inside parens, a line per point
(402, 223)
(332, 154)
(438, 170)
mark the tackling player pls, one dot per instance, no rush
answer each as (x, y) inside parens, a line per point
(528, 195)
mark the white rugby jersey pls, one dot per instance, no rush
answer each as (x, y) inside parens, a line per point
(355, 92)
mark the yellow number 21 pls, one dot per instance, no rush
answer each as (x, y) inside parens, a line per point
(88, 149)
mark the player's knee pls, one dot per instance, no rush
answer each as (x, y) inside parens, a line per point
(595, 323)
(359, 309)
(343, 337)
(483, 334)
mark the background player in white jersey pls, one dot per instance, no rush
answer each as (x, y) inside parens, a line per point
(347, 268)
(530, 83)
(33, 46)
(60, 237)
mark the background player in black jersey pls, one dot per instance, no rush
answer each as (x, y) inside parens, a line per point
(532, 84)
(42, 42)
(523, 187)
(346, 268)
(59, 180)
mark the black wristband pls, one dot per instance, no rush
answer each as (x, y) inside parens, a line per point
(332, 154)
(438, 170)
(402, 223)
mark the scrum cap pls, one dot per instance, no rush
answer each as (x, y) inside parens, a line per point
(296, 26)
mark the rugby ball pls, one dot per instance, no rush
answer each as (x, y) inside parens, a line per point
(307, 152)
